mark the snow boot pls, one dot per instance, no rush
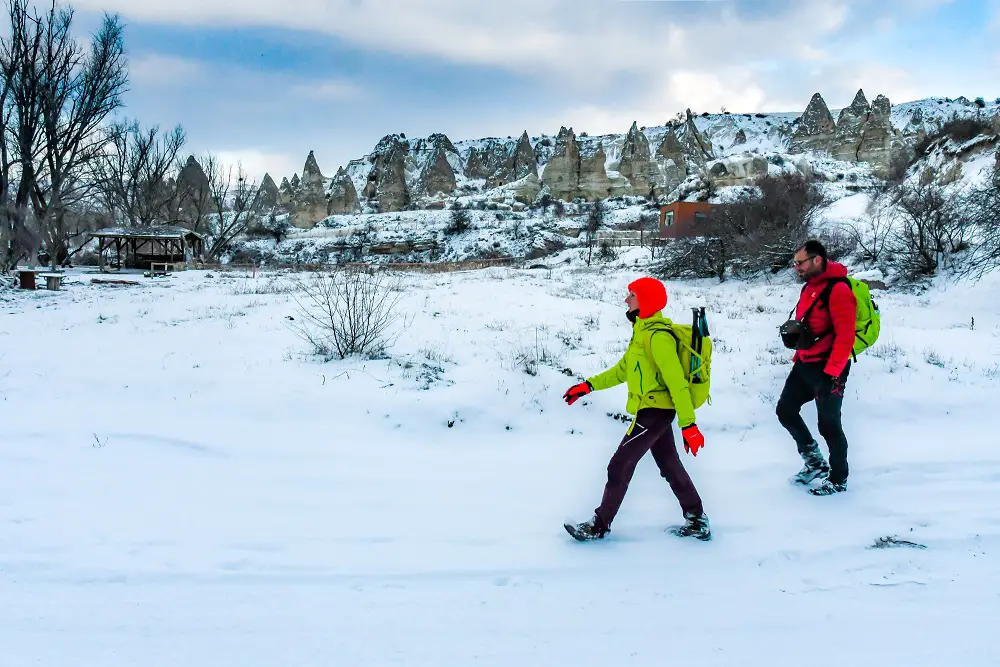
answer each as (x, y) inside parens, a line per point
(588, 530)
(815, 465)
(828, 488)
(696, 526)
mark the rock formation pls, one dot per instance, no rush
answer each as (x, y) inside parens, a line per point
(342, 197)
(475, 164)
(636, 163)
(671, 161)
(594, 182)
(816, 127)
(863, 132)
(513, 164)
(697, 146)
(387, 178)
(285, 192)
(877, 136)
(268, 196)
(737, 170)
(195, 192)
(437, 176)
(308, 202)
(562, 173)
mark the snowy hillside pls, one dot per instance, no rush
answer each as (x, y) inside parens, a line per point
(192, 489)
(402, 195)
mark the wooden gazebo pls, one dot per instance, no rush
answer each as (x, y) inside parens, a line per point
(145, 245)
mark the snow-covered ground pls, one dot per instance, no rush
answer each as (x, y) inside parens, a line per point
(182, 486)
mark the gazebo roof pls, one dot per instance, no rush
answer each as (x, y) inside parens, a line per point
(159, 233)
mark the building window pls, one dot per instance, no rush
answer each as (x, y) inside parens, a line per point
(700, 218)
(669, 220)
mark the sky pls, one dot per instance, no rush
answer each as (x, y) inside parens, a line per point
(264, 82)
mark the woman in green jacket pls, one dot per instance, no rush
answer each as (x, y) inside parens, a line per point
(657, 391)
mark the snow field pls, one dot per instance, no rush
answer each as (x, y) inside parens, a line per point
(184, 485)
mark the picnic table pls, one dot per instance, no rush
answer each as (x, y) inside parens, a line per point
(26, 277)
(153, 272)
(52, 280)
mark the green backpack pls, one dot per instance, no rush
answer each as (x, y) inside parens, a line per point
(868, 321)
(696, 363)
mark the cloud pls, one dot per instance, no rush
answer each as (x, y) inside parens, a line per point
(256, 163)
(581, 41)
(734, 88)
(161, 70)
(339, 90)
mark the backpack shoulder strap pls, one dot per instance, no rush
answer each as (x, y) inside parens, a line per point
(824, 296)
(647, 342)
(830, 284)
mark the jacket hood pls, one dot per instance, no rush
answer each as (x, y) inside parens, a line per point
(652, 296)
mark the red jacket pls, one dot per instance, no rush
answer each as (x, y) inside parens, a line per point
(834, 325)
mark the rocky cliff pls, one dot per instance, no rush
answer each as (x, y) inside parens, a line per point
(726, 149)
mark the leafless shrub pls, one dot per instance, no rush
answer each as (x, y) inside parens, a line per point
(349, 312)
(932, 227)
(932, 357)
(758, 231)
(437, 353)
(984, 207)
(529, 354)
(872, 233)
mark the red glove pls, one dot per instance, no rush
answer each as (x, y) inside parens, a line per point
(576, 391)
(693, 439)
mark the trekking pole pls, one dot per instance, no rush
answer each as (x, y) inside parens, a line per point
(702, 334)
(695, 344)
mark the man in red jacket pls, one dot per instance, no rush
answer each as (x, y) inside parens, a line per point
(828, 307)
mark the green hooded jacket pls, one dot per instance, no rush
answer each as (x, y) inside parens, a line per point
(660, 386)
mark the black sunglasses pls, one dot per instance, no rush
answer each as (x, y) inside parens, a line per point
(797, 262)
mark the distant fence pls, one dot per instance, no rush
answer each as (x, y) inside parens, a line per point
(422, 267)
(629, 242)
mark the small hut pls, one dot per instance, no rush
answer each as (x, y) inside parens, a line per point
(143, 246)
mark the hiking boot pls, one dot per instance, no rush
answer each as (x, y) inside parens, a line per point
(815, 466)
(828, 488)
(588, 530)
(696, 526)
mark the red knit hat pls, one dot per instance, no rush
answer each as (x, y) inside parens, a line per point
(652, 296)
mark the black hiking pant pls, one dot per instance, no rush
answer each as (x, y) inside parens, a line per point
(808, 382)
(653, 430)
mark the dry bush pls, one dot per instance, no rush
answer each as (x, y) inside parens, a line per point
(755, 233)
(871, 234)
(984, 207)
(350, 312)
(932, 226)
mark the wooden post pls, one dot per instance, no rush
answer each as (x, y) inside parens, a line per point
(100, 253)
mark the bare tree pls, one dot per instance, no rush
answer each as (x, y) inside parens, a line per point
(757, 231)
(595, 218)
(984, 205)
(57, 92)
(932, 227)
(235, 201)
(350, 312)
(133, 173)
(81, 89)
(872, 233)
(22, 124)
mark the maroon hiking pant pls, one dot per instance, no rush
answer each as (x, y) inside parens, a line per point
(653, 430)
